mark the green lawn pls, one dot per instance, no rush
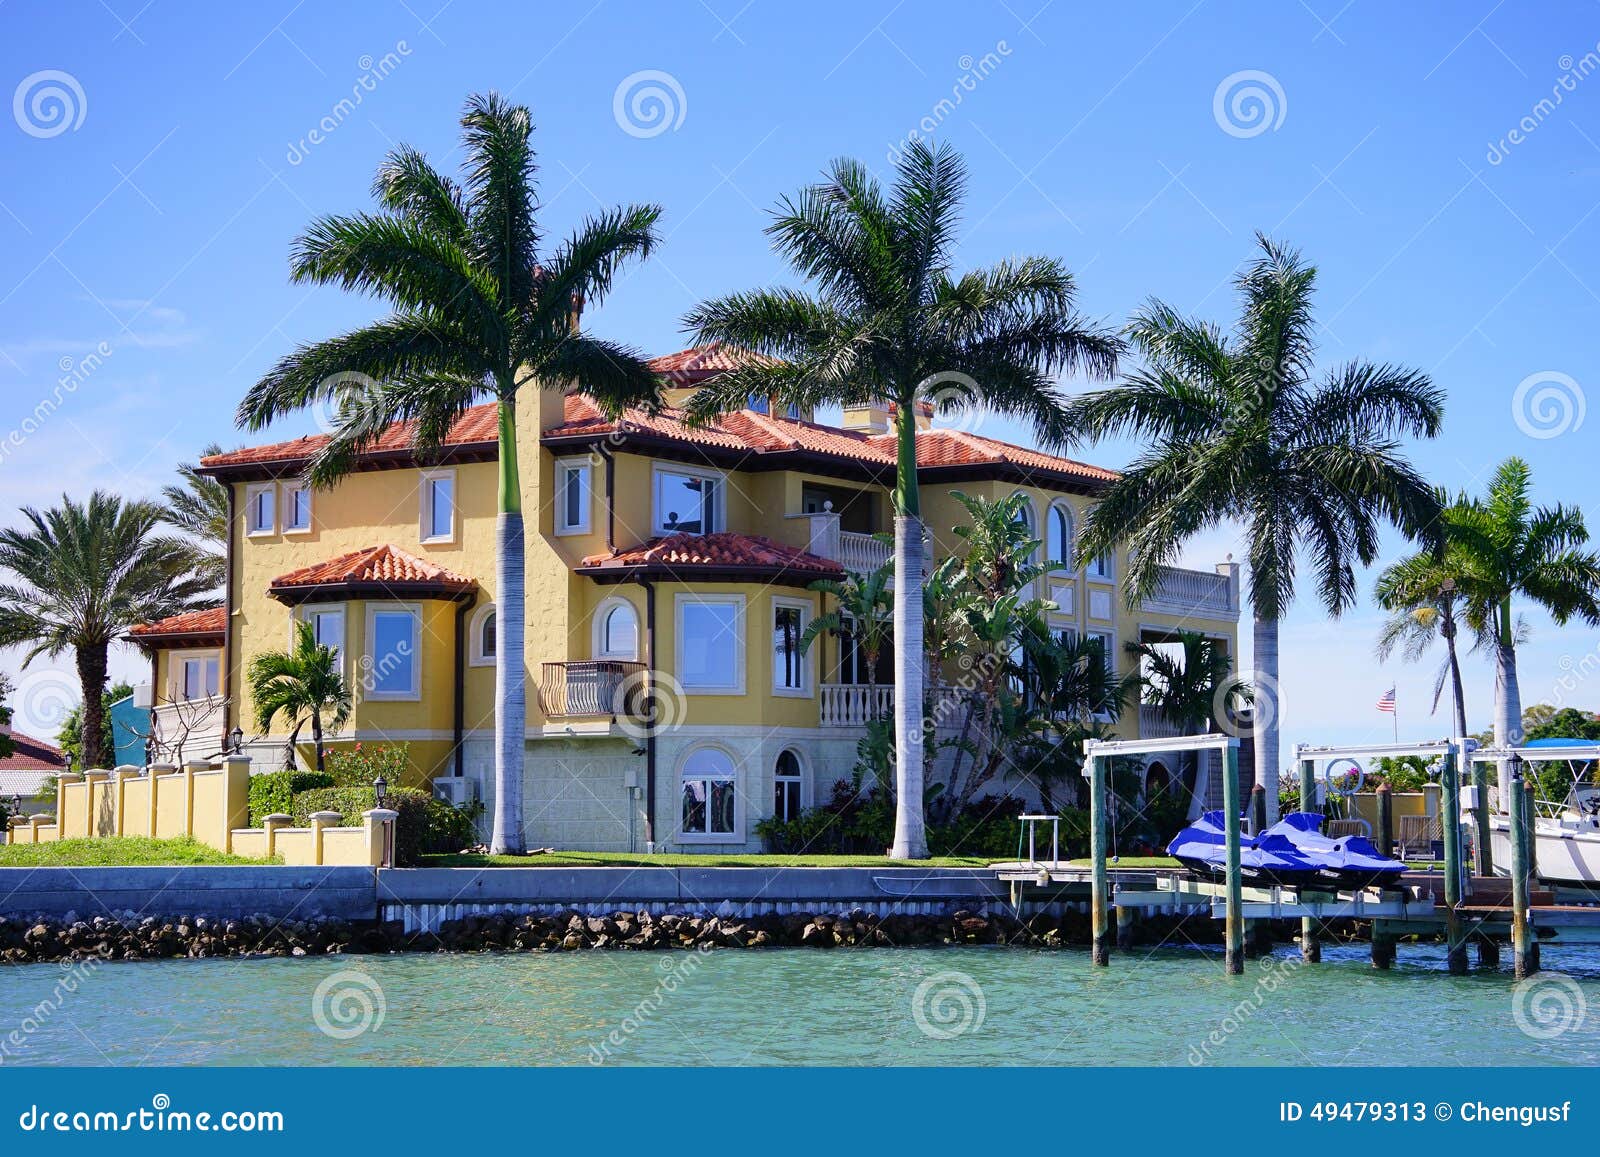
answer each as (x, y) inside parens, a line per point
(1131, 862)
(675, 860)
(115, 852)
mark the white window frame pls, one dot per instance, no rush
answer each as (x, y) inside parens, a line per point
(807, 660)
(1060, 567)
(802, 778)
(736, 836)
(425, 506)
(251, 493)
(176, 662)
(719, 512)
(475, 653)
(306, 612)
(565, 467)
(1109, 638)
(597, 646)
(737, 602)
(369, 661)
(286, 502)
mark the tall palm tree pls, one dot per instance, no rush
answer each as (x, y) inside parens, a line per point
(479, 313)
(198, 505)
(1424, 603)
(80, 575)
(890, 322)
(1501, 548)
(1241, 433)
(303, 685)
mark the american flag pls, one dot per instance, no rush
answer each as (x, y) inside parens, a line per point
(1386, 701)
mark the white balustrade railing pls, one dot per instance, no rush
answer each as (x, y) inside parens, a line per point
(862, 553)
(1214, 594)
(854, 704)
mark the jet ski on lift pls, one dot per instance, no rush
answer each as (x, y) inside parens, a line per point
(1346, 862)
(1293, 852)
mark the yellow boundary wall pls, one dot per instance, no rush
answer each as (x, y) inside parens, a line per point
(209, 802)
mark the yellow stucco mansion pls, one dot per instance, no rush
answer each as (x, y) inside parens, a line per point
(649, 544)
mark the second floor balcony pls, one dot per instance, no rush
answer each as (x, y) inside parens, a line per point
(593, 687)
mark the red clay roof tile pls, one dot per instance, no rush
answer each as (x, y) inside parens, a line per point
(210, 621)
(385, 566)
(722, 551)
(33, 755)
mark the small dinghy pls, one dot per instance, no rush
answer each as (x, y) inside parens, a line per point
(1346, 862)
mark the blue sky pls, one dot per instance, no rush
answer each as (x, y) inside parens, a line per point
(145, 218)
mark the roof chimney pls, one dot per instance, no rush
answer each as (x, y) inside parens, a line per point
(872, 418)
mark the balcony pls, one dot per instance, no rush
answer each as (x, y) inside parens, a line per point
(855, 704)
(593, 687)
(1197, 594)
(858, 553)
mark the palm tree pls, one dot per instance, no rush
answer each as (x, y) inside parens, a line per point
(861, 610)
(303, 685)
(1423, 602)
(1183, 687)
(479, 313)
(891, 323)
(1242, 433)
(81, 574)
(198, 506)
(1501, 548)
(1073, 695)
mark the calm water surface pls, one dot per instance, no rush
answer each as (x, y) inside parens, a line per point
(982, 1006)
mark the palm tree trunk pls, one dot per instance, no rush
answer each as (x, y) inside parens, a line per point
(1508, 709)
(316, 739)
(910, 829)
(1264, 717)
(92, 679)
(510, 672)
(1456, 691)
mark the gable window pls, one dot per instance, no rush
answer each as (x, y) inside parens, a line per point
(1058, 537)
(709, 794)
(687, 501)
(391, 668)
(710, 639)
(616, 631)
(573, 496)
(261, 509)
(327, 626)
(438, 505)
(791, 669)
(786, 783)
(296, 508)
(195, 677)
(481, 633)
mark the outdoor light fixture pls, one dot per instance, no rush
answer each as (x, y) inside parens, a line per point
(237, 735)
(379, 786)
(16, 805)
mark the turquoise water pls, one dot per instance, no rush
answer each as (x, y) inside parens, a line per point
(981, 1006)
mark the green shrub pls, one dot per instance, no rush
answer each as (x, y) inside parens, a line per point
(360, 765)
(273, 792)
(426, 826)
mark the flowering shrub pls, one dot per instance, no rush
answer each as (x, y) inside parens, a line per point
(360, 765)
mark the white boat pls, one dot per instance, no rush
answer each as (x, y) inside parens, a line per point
(1566, 835)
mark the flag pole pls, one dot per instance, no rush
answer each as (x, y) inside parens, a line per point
(1396, 714)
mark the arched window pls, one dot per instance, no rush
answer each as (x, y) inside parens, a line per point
(483, 637)
(786, 781)
(616, 632)
(1058, 537)
(709, 795)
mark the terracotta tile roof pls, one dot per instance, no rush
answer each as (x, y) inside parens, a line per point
(698, 363)
(477, 426)
(31, 756)
(384, 568)
(733, 554)
(210, 621)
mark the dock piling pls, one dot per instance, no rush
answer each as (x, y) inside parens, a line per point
(1310, 946)
(1100, 951)
(1235, 900)
(1482, 854)
(1523, 962)
(1450, 805)
(1385, 797)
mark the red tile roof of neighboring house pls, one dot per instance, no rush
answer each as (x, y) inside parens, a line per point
(33, 755)
(687, 367)
(190, 626)
(742, 438)
(733, 556)
(382, 569)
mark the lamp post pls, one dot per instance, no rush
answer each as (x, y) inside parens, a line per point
(237, 735)
(379, 787)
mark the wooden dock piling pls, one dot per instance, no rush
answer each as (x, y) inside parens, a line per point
(1522, 960)
(1099, 897)
(1310, 945)
(1450, 805)
(1482, 854)
(1234, 933)
(1385, 833)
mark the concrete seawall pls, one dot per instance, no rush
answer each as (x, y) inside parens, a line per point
(220, 892)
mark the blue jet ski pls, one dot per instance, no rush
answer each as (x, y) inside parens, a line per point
(1346, 862)
(1202, 848)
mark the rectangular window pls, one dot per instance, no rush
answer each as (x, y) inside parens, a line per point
(1100, 567)
(792, 411)
(261, 509)
(687, 502)
(759, 404)
(790, 668)
(439, 506)
(573, 497)
(327, 626)
(296, 508)
(197, 677)
(391, 665)
(711, 644)
(1107, 648)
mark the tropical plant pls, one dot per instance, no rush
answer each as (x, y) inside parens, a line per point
(70, 737)
(303, 685)
(480, 312)
(1183, 687)
(81, 574)
(890, 323)
(1073, 694)
(1242, 434)
(1561, 723)
(1501, 548)
(862, 604)
(7, 688)
(1424, 602)
(198, 505)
